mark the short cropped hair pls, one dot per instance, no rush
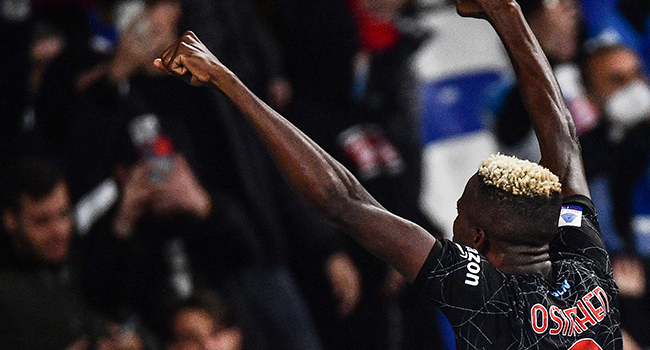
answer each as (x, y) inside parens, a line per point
(519, 177)
(521, 199)
(33, 176)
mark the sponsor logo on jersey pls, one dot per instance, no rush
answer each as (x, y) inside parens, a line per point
(570, 215)
(590, 310)
(473, 266)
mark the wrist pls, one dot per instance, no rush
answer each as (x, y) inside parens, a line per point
(221, 76)
(500, 9)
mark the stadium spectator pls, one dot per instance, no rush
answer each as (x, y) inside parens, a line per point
(42, 293)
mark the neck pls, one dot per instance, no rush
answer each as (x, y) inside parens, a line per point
(520, 259)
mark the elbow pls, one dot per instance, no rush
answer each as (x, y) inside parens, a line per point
(332, 203)
(337, 198)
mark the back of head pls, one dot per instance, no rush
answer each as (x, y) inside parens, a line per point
(520, 201)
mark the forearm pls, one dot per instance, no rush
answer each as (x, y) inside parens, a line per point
(330, 187)
(316, 176)
(551, 119)
(319, 178)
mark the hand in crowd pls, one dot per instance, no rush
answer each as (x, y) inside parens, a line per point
(345, 280)
(136, 194)
(180, 192)
(630, 276)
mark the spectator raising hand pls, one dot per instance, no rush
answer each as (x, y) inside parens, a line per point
(179, 192)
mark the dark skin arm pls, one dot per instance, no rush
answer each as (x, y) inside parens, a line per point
(334, 191)
(322, 181)
(552, 121)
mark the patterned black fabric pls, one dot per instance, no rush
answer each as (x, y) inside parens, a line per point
(576, 308)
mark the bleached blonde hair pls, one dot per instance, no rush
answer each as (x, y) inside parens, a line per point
(519, 177)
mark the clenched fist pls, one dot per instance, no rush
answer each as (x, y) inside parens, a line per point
(190, 59)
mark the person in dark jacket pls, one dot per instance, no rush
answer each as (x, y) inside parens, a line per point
(42, 294)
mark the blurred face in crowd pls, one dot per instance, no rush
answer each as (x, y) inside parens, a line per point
(159, 25)
(43, 227)
(556, 25)
(46, 49)
(194, 329)
(610, 71)
(163, 17)
(618, 84)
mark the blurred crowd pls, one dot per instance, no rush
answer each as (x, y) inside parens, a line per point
(139, 212)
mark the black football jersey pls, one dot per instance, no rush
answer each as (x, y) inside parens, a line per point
(576, 308)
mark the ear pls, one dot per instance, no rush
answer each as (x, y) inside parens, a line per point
(10, 221)
(480, 240)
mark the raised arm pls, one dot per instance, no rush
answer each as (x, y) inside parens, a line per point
(542, 96)
(321, 180)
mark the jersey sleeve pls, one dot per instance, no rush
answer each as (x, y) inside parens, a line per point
(579, 232)
(468, 290)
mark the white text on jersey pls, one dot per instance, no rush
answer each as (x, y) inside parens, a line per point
(474, 265)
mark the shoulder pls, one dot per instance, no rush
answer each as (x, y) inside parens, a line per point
(579, 232)
(459, 279)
